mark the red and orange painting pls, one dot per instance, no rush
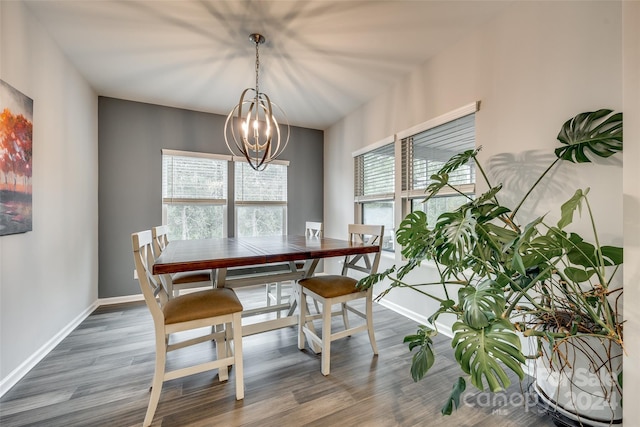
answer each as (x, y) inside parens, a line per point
(16, 135)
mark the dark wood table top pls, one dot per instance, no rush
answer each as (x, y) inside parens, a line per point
(205, 254)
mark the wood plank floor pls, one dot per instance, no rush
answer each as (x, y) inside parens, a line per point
(100, 376)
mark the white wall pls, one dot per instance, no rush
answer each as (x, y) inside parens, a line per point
(532, 68)
(631, 25)
(48, 277)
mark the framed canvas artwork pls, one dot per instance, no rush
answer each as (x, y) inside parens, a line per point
(16, 134)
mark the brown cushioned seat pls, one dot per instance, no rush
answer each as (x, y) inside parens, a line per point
(199, 305)
(330, 286)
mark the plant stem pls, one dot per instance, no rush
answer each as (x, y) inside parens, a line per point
(535, 184)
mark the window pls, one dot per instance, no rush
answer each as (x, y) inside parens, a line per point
(425, 152)
(194, 194)
(260, 200)
(381, 181)
(374, 189)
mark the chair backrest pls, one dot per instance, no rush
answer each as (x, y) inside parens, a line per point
(160, 235)
(150, 284)
(313, 229)
(370, 235)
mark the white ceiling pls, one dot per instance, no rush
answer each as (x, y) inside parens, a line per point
(322, 59)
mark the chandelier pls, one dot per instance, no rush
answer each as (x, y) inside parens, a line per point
(251, 129)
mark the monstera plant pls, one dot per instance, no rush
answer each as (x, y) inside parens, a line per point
(502, 279)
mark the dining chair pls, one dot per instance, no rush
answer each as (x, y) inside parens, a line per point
(213, 308)
(341, 289)
(183, 280)
(275, 295)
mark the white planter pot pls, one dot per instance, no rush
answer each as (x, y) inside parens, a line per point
(580, 380)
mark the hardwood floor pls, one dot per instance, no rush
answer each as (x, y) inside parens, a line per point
(100, 376)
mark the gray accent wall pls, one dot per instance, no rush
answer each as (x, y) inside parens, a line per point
(131, 136)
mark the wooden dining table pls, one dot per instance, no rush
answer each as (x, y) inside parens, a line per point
(248, 261)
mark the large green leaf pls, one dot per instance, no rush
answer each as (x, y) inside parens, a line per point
(593, 132)
(578, 274)
(372, 279)
(441, 178)
(456, 231)
(483, 352)
(519, 246)
(585, 254)
(424, 358)
(485, 197)
(613, 255)
(414, 235)
(569, 207)
(454, 399)
(542, 249)
(438, 182)
(488, 212)
(481, 304)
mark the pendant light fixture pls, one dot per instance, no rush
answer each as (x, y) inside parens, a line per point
(251, 129)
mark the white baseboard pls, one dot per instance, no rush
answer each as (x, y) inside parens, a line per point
(119, 300)
(420, 318)
(18, 373)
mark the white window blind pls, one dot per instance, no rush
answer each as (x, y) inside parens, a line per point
(193, 178)
(374, 174)
(268, 185)
(424, 153)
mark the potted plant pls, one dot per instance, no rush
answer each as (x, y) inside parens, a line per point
(502, 280)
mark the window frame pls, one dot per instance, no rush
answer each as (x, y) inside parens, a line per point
(211, 201)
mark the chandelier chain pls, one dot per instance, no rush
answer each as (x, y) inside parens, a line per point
(257, 67)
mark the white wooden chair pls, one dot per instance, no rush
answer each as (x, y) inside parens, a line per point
(274, 290)
(178, 281)
(340, 289)
(209, 308)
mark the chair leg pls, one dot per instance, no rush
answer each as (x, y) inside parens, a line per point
(303, 317)
(345, 318)
(278, 297)
(158, 379)
(315, 302)
(326, 337)
(369, 313)
(221, 352)
(237, 353)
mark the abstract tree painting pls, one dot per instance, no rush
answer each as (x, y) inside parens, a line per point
(16, 134)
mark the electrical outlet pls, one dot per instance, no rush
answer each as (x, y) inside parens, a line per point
(135, 274)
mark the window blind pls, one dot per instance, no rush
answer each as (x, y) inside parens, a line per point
(268, 185)
(374, 174)
(188, 179)
(424, 153)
